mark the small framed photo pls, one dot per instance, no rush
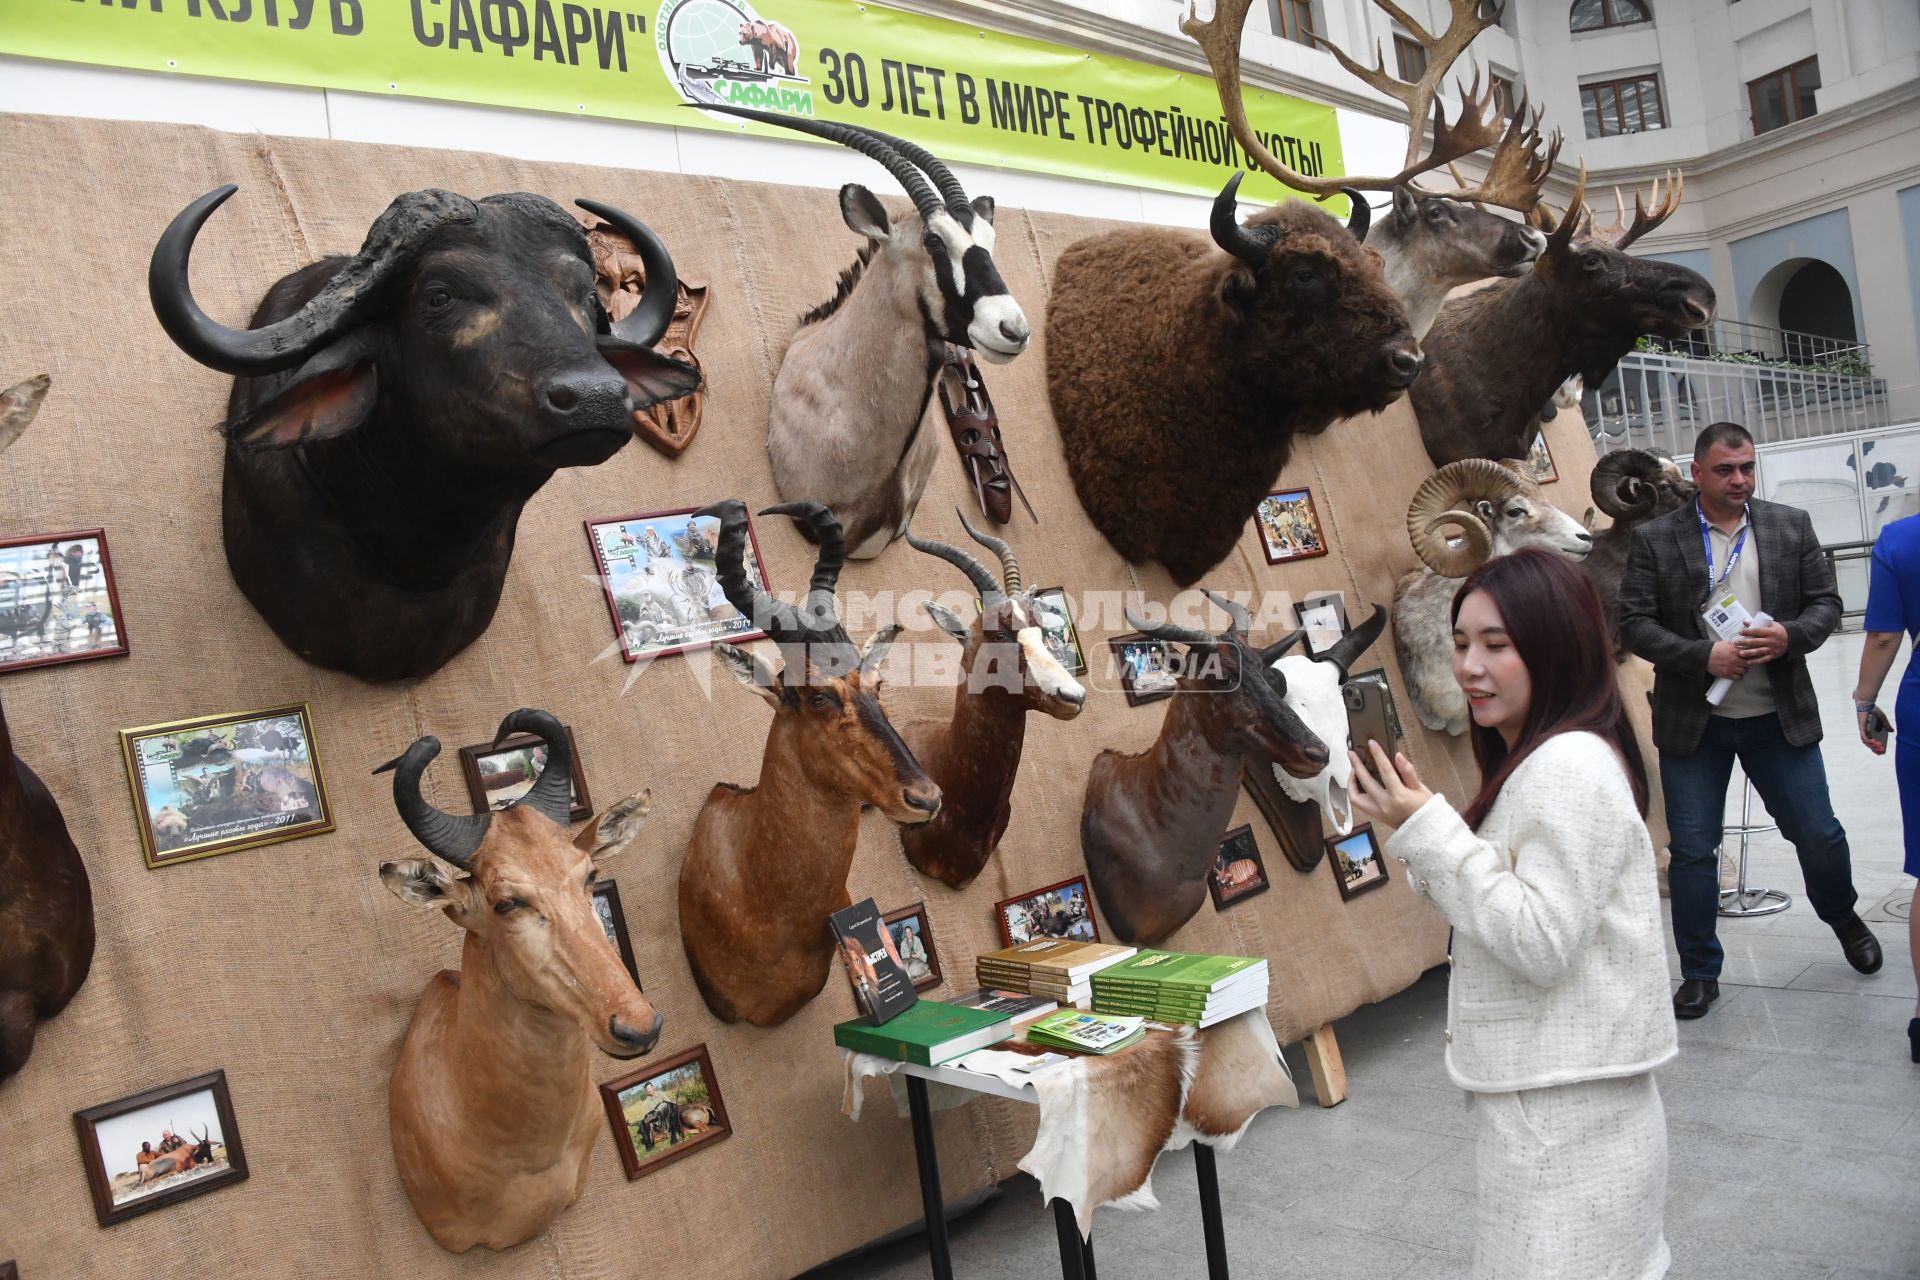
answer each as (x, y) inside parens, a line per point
(58, 600)
(9, 1270)
(160, 1147)
(1237, 870)
(220, 783)
(613, 919)
(664, 1110)
(1290, 527)
(662, 586)
(912, 936)
(1323, 617)
(1378, 675)
(497, 776)
(1057, 629)
(1063, 910)
(1540, 458)
(1356, 861)
(1145, 667)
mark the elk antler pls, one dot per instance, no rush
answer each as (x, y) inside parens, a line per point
(1511, 180)
(1650, 209)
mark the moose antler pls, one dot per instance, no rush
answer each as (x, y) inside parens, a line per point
(1650, 209)
(1517, 170)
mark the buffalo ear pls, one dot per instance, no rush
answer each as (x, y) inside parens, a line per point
(864, 213)
(329, 396)
(1238, 289)
(651, 377)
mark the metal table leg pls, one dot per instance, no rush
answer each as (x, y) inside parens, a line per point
(1740, 900)
(1075, 1253)
(928, 1158)
(1210, 1221)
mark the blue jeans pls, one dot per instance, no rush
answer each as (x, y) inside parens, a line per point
(1792, 781)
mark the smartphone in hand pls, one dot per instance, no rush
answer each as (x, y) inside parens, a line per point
(1367, 718)
(1878, 728)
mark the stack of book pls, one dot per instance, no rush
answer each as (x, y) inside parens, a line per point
(1057, 968)
(1173, 986)
(1087, 1032)
(928, 1032)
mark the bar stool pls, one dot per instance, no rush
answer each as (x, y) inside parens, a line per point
(1741, 900)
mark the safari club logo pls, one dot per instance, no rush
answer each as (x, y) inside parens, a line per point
(722, 52)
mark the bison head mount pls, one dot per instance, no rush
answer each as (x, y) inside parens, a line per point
(393, 411)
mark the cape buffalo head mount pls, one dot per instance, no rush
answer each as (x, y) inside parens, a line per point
(394, 410)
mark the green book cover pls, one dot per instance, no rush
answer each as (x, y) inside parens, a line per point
(920, 1033)
(1159, 969)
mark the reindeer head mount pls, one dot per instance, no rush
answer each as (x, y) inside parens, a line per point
(1006, 647)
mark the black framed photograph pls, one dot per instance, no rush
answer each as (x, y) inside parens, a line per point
(9, 1270)
(1356, 861)
(662, 586)
(1063, 910)
(1540, 458)
(220, 783)
(58, 600)
(1290, 526)
(1145, 668)
(160, 1147)
(665, 1110)
(1238, 871)
(498, 775)
(912, 935)
(613, 920)
(1057, 629)
(1323, 617)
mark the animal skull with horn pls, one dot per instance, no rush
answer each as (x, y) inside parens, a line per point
(1315, 684)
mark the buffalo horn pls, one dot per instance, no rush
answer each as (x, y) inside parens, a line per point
(1243, 244)
(1278, 649)
(860, 140)
(1009, 565)
(647, 323)
(825, 528)
(1241, 620)
(1346, 651)
(1168, 631)
(448, 837)
(346, 299)
(551, 792)
(777, 618)
(1361, 216)
(1623, 483)
(977, 573)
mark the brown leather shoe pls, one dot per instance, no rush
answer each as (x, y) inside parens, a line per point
(1693, 997)
(1858, 944)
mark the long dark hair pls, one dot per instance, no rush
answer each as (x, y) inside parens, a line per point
(1553, 620)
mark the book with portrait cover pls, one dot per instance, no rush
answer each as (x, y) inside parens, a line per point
(880, 982)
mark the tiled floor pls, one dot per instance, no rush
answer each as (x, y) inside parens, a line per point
(1793, 1114)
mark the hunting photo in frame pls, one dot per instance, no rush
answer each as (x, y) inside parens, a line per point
(1238, 871)
(58, 600)
(912, 936)
(662, 585)
(499, 773)
(1357, 863)
(665, 1110)
(613, 922)
(1063, 910)
(160, 1147)
(1289, 526)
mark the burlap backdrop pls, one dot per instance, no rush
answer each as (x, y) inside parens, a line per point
(295, 971)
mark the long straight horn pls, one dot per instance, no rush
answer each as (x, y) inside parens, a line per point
(445, 836)
(950, 189)
(1009, 565)
(1346, 651)
(777, 618)
(825, 527)
(1168, 630)
(865, 143)
(552, 792)
(977, 573)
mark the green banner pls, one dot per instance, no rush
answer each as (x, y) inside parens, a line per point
(967, 94)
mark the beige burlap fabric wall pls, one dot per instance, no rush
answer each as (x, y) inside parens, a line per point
(292, 968)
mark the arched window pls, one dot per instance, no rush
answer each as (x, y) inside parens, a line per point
(1595, 15)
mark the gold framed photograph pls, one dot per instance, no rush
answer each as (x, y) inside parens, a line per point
(219, 783)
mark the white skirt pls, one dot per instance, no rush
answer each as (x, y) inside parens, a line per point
(1572, 1182)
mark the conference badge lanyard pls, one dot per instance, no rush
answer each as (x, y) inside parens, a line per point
(1725, 615)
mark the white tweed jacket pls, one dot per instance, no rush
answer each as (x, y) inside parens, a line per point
(1559, 968)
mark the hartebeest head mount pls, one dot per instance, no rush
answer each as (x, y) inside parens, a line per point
(1244, 693)
(527, 891)
(826, 695)
(1005, 650)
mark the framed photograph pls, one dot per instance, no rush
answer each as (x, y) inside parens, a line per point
(1057, 629)
(1237, 870)
(1323, 617)
(912, 936)
(1378, 675)
(1356, 861)
(58, 601)
(9, 1270)
(497, 776)
(667, 1108)
(1145, 667)
(662, 586)
(1063, 910)
(1540, 458)
(220, 783)
(1289, 526)
(160, 1147)
(613, 919)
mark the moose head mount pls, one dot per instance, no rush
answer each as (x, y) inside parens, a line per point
(393, 412)
(492, 1102)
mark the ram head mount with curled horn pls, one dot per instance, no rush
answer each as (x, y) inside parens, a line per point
(492, 1102)
(1493, 509)
(1150, 824)
(394, 411)
(766, 866)
(847, 423)
(1496, 355)
(1006, 671)
(1431, 241)
(1631, 486)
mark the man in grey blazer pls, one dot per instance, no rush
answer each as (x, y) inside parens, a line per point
(1767, 555)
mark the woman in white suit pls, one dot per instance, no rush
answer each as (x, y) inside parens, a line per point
(1558, 1009)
